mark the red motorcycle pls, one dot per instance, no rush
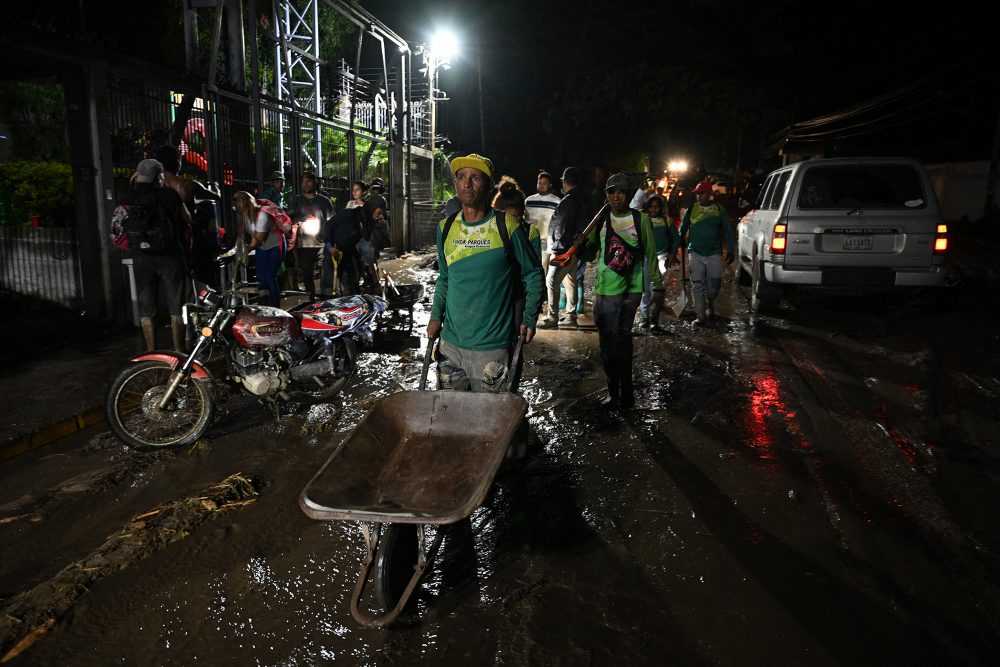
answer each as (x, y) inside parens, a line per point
(167, 399)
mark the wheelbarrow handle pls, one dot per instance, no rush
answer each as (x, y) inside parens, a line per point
(514, 359)
(427, 364)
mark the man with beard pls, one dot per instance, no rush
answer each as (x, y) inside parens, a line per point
(486, 265)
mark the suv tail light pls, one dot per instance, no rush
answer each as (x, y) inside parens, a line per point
(941, 240)
(778, 239)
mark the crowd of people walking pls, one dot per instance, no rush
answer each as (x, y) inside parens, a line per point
(509, 263)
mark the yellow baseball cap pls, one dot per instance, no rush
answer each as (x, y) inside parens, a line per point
(483, 164)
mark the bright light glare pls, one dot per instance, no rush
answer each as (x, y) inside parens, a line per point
(677, 165)
(310, 226)
(444, 44)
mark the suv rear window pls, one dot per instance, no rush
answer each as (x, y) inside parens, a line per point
(861, 186)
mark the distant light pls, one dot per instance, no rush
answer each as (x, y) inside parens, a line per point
(444, 45)
(677, 165)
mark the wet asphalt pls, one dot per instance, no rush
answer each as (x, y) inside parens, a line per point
(815, 487)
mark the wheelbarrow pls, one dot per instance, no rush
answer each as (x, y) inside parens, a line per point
(417, 458)
(401, 297)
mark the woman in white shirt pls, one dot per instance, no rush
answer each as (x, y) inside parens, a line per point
(265, 238)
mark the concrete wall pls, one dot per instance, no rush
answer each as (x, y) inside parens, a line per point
(961, 188)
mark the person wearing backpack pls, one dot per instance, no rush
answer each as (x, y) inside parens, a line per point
(622, 242)
(486, 270)
(154, 227)
(263, 221)
(510, 199)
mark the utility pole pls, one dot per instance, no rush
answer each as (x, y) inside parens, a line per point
(431, 69)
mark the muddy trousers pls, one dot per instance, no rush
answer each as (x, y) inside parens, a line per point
(471, 370)
(706, 280)
(613, 316)
(652, 301)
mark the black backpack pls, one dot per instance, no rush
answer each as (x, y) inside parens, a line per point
(149, 229)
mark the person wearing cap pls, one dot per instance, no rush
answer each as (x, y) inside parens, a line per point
(570, 218)
(704, 224)
(274, 190)
(483, 272)
(376, 216)
(164, 273)
(622, 242)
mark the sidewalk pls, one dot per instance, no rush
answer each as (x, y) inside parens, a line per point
(57, 366)
(56, 369)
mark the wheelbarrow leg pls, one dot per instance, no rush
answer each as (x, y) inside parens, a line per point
(372, 538)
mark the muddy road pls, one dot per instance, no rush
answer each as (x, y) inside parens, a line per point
(812, 488)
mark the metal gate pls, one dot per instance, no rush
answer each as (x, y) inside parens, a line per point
(41, 262)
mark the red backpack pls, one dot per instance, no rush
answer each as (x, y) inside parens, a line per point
(282, 223)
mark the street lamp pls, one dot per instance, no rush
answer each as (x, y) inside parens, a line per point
(444, 45)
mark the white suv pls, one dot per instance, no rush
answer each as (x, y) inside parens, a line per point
(843, 222)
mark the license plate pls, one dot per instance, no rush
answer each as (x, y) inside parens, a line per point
(858, 243)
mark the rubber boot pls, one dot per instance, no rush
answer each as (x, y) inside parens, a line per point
(562, 297)
(579, 299)
(177, 332)
(148, 332)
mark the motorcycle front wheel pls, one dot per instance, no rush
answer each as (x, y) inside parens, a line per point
(134, 414)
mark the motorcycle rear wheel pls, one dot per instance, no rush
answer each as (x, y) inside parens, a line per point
(134, 415)
(345, 360)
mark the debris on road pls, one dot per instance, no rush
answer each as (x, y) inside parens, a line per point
(29, 615)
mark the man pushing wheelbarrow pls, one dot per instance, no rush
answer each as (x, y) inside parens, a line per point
(422, 458)
(489, 286)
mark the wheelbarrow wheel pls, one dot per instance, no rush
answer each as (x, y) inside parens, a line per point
(397, 557)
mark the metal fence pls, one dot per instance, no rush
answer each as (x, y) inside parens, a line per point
(41, 262)
(425, 220)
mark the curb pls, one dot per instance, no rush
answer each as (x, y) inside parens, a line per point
(51, 433)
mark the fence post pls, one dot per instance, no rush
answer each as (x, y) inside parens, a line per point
(82, 84)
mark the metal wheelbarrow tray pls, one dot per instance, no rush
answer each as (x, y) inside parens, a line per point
(425, 457)
(417, 458)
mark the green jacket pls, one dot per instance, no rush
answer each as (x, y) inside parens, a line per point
(707, 225)
(474, 297)
(609, 283)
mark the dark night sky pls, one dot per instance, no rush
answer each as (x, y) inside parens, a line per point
(688, 78)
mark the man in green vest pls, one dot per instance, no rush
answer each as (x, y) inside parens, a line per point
(486, 266)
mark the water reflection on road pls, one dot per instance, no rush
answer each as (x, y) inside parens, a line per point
(797, 490)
